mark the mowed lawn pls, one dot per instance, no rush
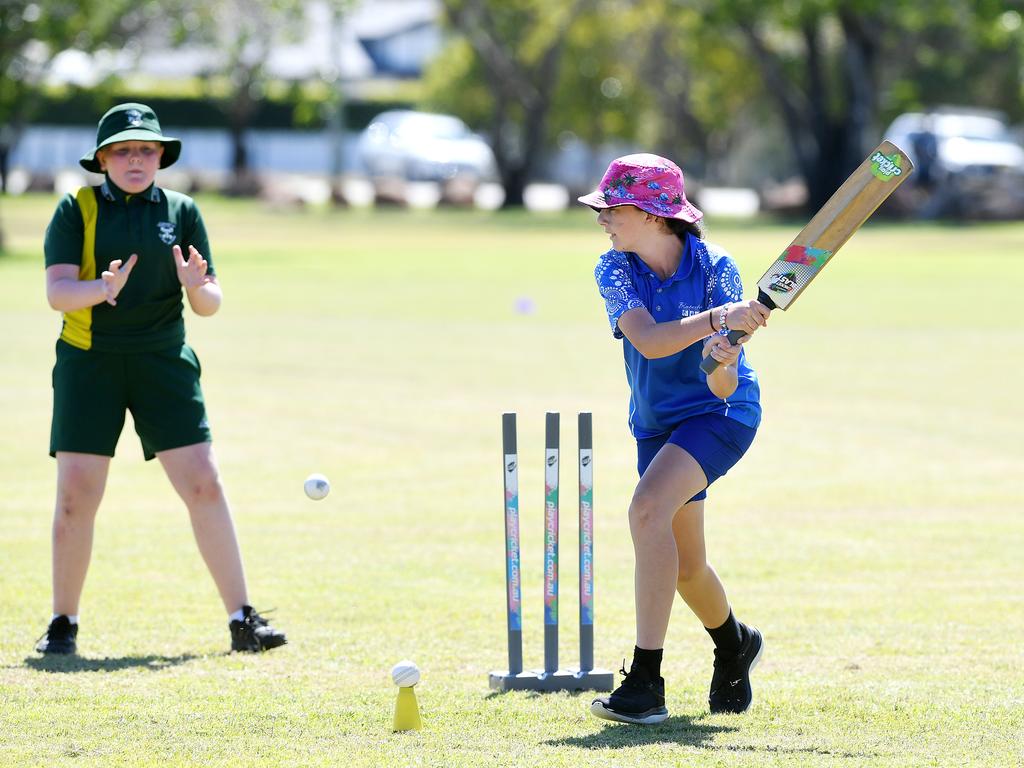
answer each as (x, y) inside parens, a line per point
(874, 532)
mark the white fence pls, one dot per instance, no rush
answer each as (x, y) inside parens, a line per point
(49, 149)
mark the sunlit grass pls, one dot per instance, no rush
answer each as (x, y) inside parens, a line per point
(873, 532)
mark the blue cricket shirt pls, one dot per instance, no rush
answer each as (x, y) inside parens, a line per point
(666, 391)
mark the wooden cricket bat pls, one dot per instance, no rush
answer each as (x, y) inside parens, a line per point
(852, 204)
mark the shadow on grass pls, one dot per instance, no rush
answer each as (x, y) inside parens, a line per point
(681, 729)
(58, 663)
(691, 732)
(775, 749)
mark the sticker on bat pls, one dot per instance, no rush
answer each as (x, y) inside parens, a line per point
(783, 282)
(805, 254)
(885, 167)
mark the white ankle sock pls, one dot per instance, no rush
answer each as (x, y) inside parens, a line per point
(237, 615)
(72, 619)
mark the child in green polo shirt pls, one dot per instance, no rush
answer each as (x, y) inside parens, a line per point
(119, 256)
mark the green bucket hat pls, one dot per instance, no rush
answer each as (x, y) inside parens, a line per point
(131, 122)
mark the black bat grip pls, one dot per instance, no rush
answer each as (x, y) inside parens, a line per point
(709, 364)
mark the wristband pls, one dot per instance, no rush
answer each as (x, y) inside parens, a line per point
(711, 320)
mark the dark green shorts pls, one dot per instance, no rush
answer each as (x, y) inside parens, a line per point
(92, 390)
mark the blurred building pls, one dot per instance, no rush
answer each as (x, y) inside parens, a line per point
(375, 43)
(376, 39)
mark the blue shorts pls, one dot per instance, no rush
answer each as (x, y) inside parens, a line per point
(715, 441)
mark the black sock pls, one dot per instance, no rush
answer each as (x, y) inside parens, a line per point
(649, 660)
(727, 637)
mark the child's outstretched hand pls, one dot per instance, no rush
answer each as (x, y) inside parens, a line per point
(115, 276)
(191, 273)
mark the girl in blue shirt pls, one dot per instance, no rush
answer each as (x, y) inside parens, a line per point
(672, 298)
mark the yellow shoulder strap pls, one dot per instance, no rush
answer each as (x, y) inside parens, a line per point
(78, 324)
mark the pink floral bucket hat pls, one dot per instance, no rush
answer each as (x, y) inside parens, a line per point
(650, 182)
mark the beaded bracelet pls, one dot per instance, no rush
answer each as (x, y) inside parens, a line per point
(723, 313)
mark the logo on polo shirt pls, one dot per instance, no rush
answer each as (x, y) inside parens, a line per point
(166, 229)
(687, 310)
(134, 117)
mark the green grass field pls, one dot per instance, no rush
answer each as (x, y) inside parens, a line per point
(874, 532)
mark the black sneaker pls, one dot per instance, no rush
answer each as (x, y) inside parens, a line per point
(253, 633)
(640, 699)
(59, 638)
(730, 684)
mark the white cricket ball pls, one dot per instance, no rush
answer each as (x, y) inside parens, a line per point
(317, 486)
(405, 674)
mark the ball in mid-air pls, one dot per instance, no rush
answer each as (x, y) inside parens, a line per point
(405, 673)
(317, 486)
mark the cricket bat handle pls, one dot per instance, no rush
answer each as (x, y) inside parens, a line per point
(709, 364)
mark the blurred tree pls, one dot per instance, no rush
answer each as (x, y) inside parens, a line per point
(243, 33)
(246, 32)
(830, 67)
(516, 48)
(689, 78)
(633, 71)
(33, 32)
(639, 72)
(958, 52)
(818, 62)
(643, 72)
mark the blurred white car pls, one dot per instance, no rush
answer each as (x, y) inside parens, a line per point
(421, 146)
(967, 163)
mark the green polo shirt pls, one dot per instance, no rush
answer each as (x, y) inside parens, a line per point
(99, 224)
